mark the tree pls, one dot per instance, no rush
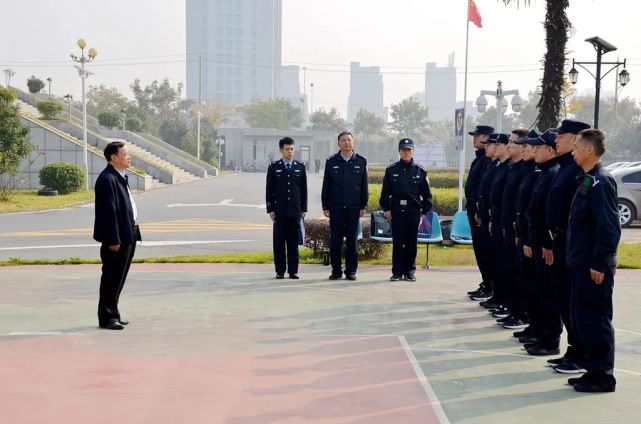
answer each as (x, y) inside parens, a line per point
(14, 143)
(409, 118)
(557, 25)
(105, 99)
(173, 129)
(35, 85)
(278, 113)
(368, 124)
(49, 109)
(327, 121)
(109, 119)
(160, 98)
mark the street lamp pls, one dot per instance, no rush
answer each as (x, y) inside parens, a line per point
(49, 81)
(84, 74)
(501, 102)
(311, 99)
(8, 73)
(69, 98)
(124, 119)
(602, 47)
(220, 141)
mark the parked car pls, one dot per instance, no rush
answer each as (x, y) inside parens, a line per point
(628, 181)
(611, 167)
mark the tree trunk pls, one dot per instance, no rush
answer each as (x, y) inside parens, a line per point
(556, 26)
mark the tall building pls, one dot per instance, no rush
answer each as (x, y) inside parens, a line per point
(234, 50)
(365, 91)
(290, 86)
(440, 90)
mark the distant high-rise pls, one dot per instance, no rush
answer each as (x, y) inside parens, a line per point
(440, 90)
(237, 46)
(365, 91)
(290, 86)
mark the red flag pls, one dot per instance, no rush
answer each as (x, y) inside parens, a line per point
(474, 15)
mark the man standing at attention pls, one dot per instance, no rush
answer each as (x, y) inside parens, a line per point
(115, 227)
(286, 200)
(405, 198)
(344, 199)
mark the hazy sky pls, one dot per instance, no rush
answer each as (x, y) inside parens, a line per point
(146, 39)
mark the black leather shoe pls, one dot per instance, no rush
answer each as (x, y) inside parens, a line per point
(123, 322)
(596, 384)
(583, 379)
(294, 276)
(112, 325)
(410, 277)
(336, 276)
(280, 276)
(351, 277)
(543, 351)
(395, 278)
(528, 339)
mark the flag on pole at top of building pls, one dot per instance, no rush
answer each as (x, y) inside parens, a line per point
(474, 15)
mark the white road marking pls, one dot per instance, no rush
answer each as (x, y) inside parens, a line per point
(34, 333)
(225, 202)
(144, 244)
(436, 404)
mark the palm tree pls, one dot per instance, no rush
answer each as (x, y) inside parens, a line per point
(557, 26)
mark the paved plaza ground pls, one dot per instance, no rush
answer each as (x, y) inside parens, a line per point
(215, 343)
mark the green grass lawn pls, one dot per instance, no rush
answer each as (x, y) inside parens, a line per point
(457, 255)
(28, 200)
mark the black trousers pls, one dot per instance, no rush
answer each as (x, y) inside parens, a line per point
(592, 317)
(115, 266)
(343, 223)
(286, 239)
(550, 326)
(509, 274)
(563, 281)
(404, 235)
(498, 263)
(479, 250)
(528, 289)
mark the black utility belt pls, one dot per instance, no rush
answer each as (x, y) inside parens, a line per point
(403, 202)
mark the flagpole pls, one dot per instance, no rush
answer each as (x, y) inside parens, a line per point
(461, 161)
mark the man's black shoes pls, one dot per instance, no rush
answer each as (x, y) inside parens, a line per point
(335, 276)
(395, 278)
(294, 276)
(123, 322)
(351, 277)
(112, 325)
(594, 383)
(280, 276)
(542, 350)
(410, 277)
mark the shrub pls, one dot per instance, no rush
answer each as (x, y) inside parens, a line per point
(445, 200)
(109, 119)
(49, 109)
(35, 84)
(317, 239)
(61, 176)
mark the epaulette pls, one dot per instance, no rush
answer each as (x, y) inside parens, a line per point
(392, 164)
(331, 156)
(421, 166)
(358, 154)
(299, 163)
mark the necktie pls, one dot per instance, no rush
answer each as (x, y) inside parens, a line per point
(127, 180)
(289, 167)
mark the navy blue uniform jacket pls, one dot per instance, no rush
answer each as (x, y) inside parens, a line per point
(286, 191)
(345, 182)
(473, 182)
(538, 228)
(594, 229)
(406, 181)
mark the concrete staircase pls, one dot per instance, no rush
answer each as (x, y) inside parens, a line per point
(179, 174)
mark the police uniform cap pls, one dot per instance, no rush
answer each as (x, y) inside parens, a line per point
(491, 139)
(500, 138)
(405, 143)
(482, 129)
(530, 135)
(571, 126)
(548, 138)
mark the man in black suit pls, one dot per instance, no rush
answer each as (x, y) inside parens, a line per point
(286, 200)
(115, 227)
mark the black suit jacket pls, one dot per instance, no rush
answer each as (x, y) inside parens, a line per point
(114, 223)
(286, 191)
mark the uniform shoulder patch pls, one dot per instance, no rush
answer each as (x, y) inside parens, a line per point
(391, 164)
(333, 155)
(300, 163)
(421, 167)
(364, 157)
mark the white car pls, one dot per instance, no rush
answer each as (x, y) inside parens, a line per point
(611, 167)
(628, 181)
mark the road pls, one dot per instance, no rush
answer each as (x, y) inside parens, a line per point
(209, 216)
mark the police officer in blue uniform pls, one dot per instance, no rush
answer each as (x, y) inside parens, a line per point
(482, 219)
(516, 172)
(495, 200)
(526, 285)
(344, 199)
(557, 212)
(592, 239)
(286, 200)
(472, 186)
(549, 326)
(405, 198)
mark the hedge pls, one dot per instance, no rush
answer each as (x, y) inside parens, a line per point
(61, 176)
(437, 180)
(445, 200)
(317, 239)
(49, 109)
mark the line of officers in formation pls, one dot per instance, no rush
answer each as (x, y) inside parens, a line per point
(545, 229)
